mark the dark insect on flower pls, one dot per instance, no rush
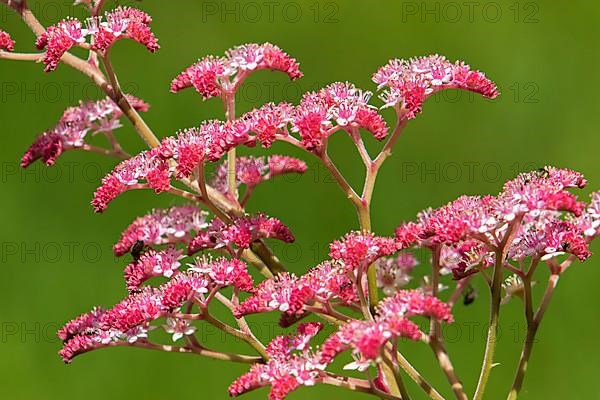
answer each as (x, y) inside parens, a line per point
(543, 172)
(470, 295)
(136, 250)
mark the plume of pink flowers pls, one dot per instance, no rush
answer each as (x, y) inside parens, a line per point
(120, 23)
(366, 290)
(211, 76)
(91, 117)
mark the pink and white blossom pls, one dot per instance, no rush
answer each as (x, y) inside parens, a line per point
(6, 42)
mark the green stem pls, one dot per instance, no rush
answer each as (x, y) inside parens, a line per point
(490, 346)
(250, 339)
(532, 329)
(495, 294)
(229, 100)
(119, 98)
(198, 350)
(436, 341)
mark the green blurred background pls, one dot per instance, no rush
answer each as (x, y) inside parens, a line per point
(56, 253)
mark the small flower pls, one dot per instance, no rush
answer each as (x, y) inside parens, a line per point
(179, 328)
(162, 226)
(513, 287)
(6, 43)
(393, 273)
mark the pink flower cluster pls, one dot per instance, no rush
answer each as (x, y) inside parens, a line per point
(129, 320)
(73, 127)
(148, 166)
(6, 43)
(151, 264)
(251, 171)
(122, 22)
(410, 82)
(286, 370)
(212, 76)
(290, 294)
(469, 227)
(241, 232)
(367, 339)
(162, 226)
(341, 103)
(589, 221)
(393, 273)
(189, 150)
(358, 250)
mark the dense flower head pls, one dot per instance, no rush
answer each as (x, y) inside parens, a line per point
(410, 303)
(58, 39)
(6, 43)
(74, 125)
(394, 273)
(146, 169)
(361, 249)
(211, 76)
(367, 339)
(286, 370)
(162, 226)
(122, 22)
(283, 292)
(330, 281)
(342, 103)
(209, 142)
(410, 82)
(589, 221)
(476, 217)
(205, 76)
(81, 324)
(152, 263)
(327, 282)
(251, 171)
(268, 121)
(548, 237)
(223, 272)
(241, 232)
(544, 189)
